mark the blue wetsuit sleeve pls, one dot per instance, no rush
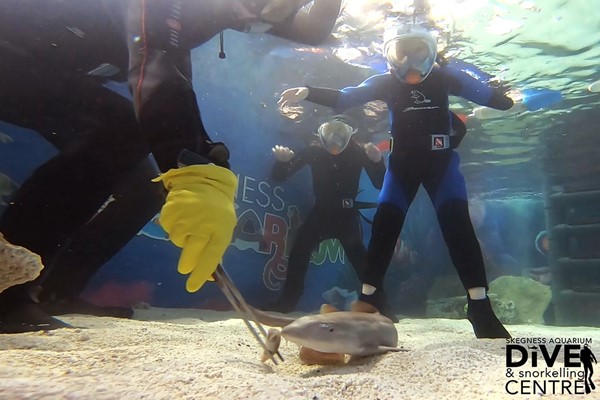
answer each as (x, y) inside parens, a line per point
(351, 96)
(463, 85)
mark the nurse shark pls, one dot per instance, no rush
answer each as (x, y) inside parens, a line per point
(327, 337)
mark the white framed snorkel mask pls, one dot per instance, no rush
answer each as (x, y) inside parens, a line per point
(411, 52)
(335, 135)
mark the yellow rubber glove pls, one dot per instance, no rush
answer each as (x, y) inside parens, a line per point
(199, 217)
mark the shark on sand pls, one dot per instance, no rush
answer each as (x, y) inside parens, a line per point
(327, 337)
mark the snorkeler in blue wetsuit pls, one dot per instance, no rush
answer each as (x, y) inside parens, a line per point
(416, 91)
(56, 57)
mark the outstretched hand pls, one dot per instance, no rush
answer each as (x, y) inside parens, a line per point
(282, 153)
(290, 97)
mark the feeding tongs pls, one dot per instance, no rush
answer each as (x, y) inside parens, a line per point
(239, 304)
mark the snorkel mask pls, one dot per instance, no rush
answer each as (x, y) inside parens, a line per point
(335, 135)
(411, 52)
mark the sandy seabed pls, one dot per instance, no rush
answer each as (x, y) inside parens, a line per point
(199, 354)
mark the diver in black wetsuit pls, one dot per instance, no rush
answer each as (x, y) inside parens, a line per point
(57, 56)
(416, 92)
(336, 162)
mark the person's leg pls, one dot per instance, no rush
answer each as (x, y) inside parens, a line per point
(99, 139)
(459, 235)
(309, 236)
(51, 204)
(72, 239)
(586, 371)
(48, 207)
(386, 228)
(398, 192)
(349, 232)
(133, 202)
(41, 213)
(446, 187)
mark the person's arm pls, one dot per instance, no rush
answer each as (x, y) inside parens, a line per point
(199, 213)
(463, 85)
(373, 163)
(459, 130)
(373, 88)
(285, 166)
(311, 25)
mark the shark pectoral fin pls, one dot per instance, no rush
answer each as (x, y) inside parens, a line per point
(328, 308)
(361, 306)
(311, 357)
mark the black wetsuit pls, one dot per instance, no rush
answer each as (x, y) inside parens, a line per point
(47, 48)
(418, 112)
(334, 215)
(50, 81)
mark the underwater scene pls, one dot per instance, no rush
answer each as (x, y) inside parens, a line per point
(412, 200)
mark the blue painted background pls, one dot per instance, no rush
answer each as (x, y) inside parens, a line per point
(238, 98)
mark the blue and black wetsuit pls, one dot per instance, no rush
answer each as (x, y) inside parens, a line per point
(421, 154)
(335, 214)
(56, 57)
